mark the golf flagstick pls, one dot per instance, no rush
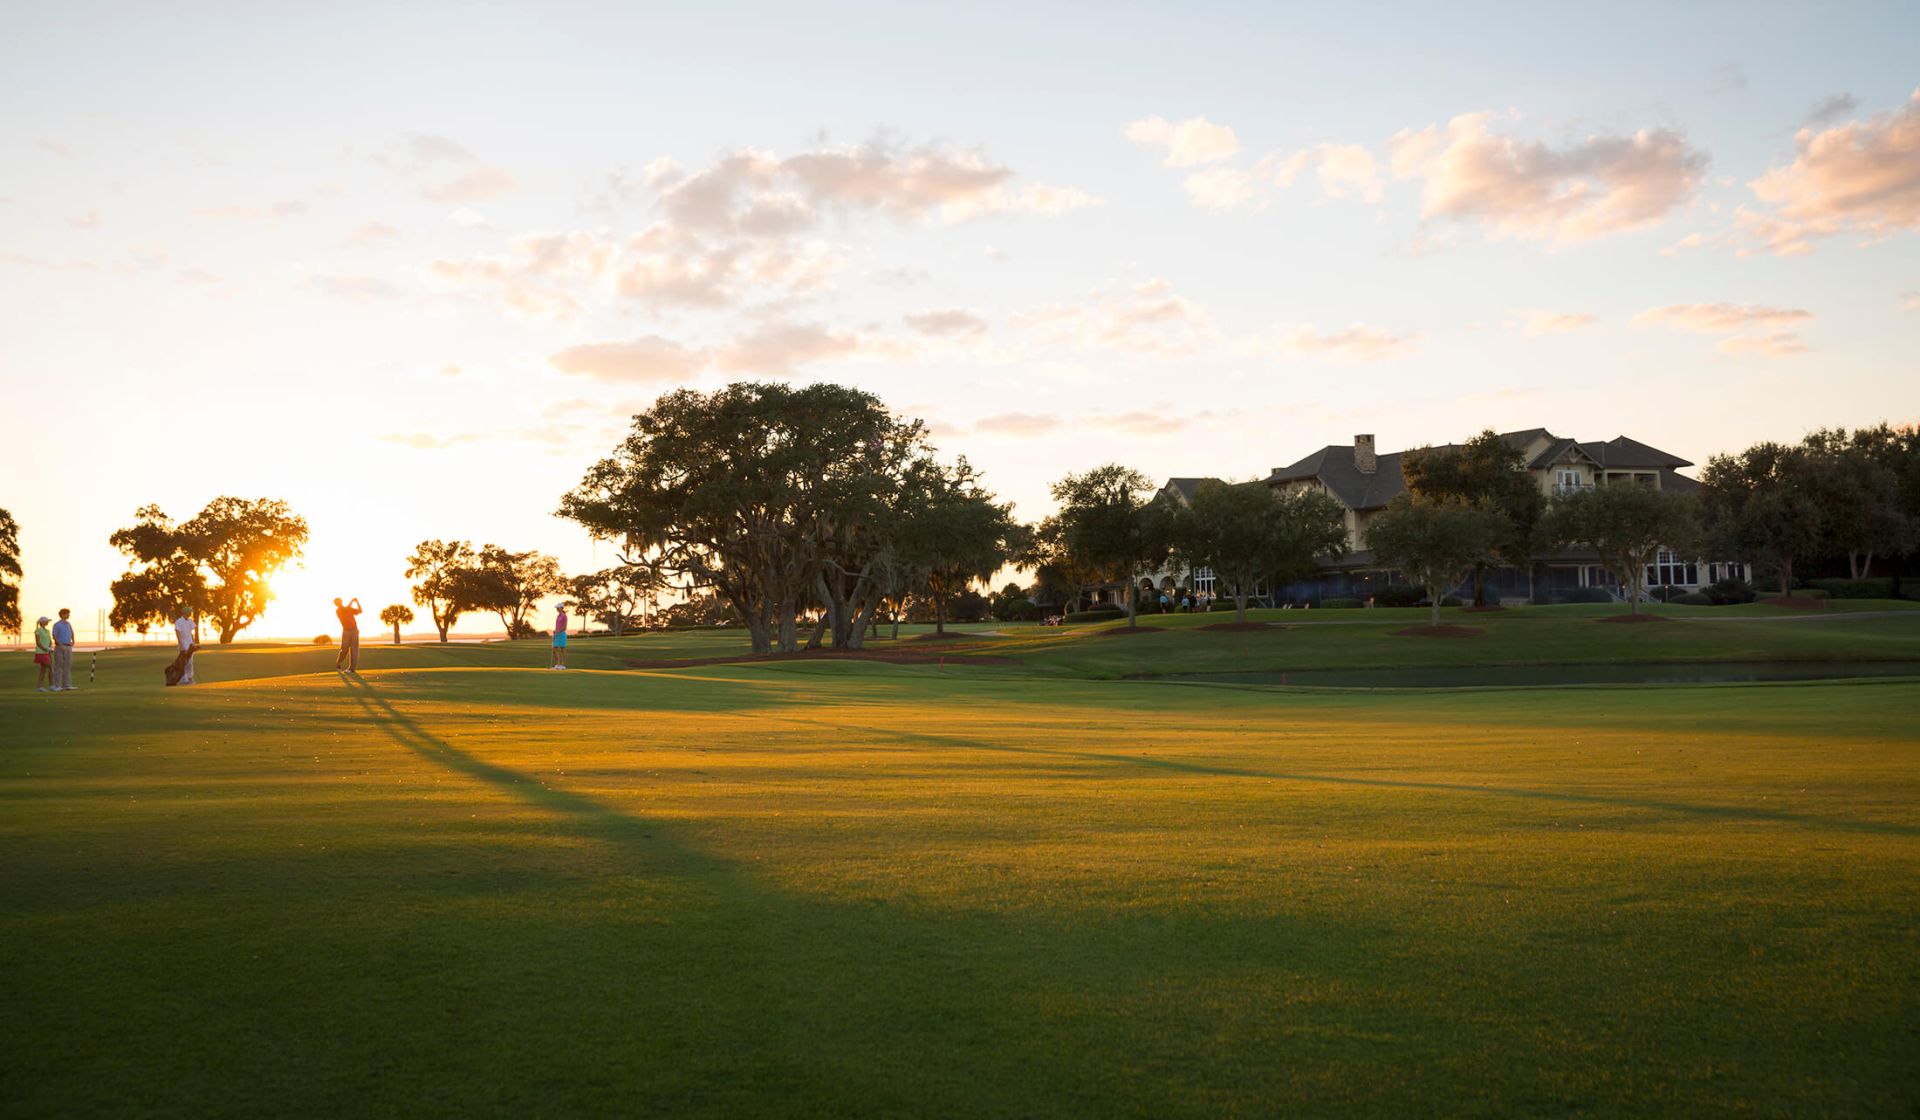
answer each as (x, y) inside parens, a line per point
(93, 665)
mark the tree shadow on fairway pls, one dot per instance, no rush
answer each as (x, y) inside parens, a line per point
(1182, 766)
(781, 998)
(306, 949)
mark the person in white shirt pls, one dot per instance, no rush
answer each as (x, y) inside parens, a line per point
(183, 627)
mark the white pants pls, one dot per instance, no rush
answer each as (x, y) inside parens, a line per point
(62, 666)
(187, 677)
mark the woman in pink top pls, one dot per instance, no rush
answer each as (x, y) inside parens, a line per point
(560, 639)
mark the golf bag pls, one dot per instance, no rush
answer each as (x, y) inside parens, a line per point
(178, 667)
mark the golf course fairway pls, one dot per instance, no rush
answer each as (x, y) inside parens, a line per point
(467, 885)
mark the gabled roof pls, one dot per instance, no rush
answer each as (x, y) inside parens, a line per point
(1558, 450)
(1620, 453)
(1185, 487)
(1333, 466)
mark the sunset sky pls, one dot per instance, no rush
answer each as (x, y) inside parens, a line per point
(410, 267)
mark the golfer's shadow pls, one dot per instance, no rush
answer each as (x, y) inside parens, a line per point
(579, 814)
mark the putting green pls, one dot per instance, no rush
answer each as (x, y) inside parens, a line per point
(847, 888)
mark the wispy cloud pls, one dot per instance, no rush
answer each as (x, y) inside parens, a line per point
(1357, 342)
(646, 360)
(750, 226)
(1528, 189)
(1779, 344)
(1830, 109)
(1720, 317)
(444, 171)
(1534, 321)
(947, 322)
(1192, 141)
(368, 234)
(1862, 178)
(1778, 341)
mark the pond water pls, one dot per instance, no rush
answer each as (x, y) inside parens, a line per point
(1471, 676)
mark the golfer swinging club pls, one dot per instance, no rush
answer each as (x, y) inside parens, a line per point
(348, 660)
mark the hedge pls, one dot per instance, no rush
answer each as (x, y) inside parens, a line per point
(1399, 595)
(1692, 599)
(1588, 595)
(1107, 614)
(1853, 588)
(1340, 604)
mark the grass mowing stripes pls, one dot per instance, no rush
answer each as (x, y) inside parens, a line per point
(850, 888)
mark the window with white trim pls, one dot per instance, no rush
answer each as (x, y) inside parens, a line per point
(1669, 570)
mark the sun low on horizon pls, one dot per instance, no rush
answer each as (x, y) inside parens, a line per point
(412, 269)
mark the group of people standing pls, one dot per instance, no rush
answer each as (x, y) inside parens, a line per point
(53, 646)
(53, 653)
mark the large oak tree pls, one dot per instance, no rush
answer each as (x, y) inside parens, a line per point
(220, 564)
(770, 496)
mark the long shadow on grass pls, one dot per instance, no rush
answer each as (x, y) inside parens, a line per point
(783, 996)
(588, 815)
(1685, 808)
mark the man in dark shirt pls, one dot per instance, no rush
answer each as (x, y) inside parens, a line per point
(349, 659)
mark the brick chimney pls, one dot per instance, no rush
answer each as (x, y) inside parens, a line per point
(1363, 458)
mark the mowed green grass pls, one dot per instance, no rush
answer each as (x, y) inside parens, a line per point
(837, 888)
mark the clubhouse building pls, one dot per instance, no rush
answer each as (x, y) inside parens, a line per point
(1364, 480)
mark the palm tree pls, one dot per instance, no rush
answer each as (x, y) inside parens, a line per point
(394, 615)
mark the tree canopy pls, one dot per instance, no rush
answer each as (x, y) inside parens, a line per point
(1436, 544)
(1764, 505)
(396, 615)
(10, 573)
(617, 597)
(452, 583)
(1627, 526)
(219, 565)
(1246, 532)
(1487, 472)
(1109, 523)
(777, 499)
(519, 580)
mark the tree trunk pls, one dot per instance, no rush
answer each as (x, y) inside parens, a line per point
(396, 633)
(939, 612)
(1133, 603)
(759, 635)
(819, 628)
(1239, 604)
(789, 627)
(1434, 594)
(442, 627)
(1479, 585)
(1786, 576)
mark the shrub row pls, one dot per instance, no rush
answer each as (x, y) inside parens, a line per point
(1105, 614)
(1399, 595)
(1851, 588)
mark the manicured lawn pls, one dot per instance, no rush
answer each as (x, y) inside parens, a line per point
(842, 888)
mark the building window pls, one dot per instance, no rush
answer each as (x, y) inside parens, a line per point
(1569, 480)
(1668, 570)
(1203, 582)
